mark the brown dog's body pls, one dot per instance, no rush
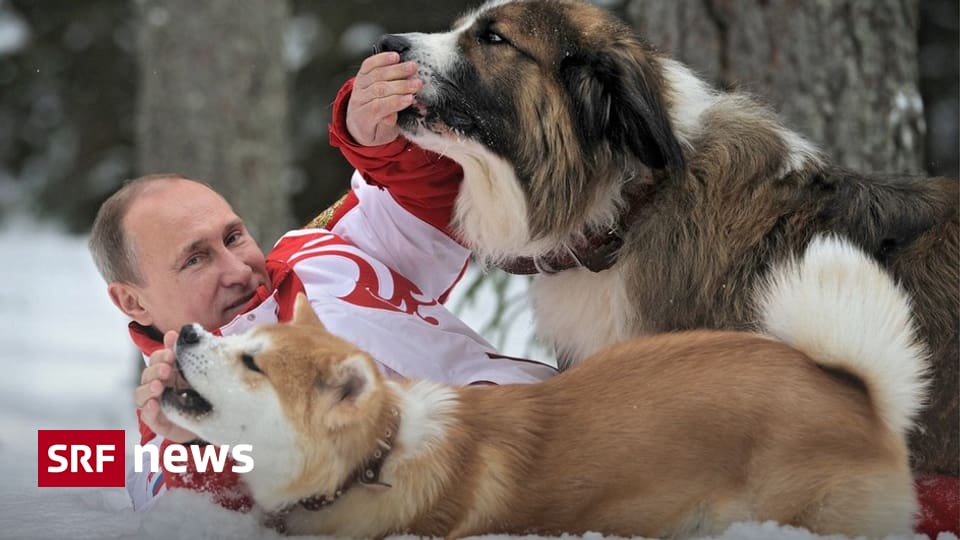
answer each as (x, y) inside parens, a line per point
(664, 455)
(567, 124)
(674, 435)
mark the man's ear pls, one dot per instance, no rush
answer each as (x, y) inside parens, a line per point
(303, 312)
(127, 300)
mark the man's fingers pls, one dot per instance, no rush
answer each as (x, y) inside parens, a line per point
(156, 371)
(151, 415)
(170, 339)
(141, 395)
(377, 110)
(399, 72)
(385, 89)
(154, 418)
(161, 356)
(147, 391)
(377, 61)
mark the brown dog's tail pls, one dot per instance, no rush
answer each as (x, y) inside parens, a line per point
(842, 309)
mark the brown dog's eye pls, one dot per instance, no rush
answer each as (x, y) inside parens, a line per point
(249, 363)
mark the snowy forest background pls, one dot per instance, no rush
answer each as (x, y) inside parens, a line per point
(95, 91)
(238, 92)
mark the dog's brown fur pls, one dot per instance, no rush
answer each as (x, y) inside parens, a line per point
(698, 251)
(581, 119)
(676, 435)
(673, 435)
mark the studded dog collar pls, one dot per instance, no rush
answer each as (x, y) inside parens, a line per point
(367, 474)
(597, 251)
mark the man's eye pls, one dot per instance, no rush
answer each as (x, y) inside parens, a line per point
(192, 261)
(233, 238)
(249, 363)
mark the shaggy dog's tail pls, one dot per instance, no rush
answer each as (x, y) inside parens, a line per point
(843, 310)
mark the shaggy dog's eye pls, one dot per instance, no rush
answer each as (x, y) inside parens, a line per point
(490, 36)
(247, 359)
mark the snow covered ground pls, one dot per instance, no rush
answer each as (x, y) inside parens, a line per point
(65, 363)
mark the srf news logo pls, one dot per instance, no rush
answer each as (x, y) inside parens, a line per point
(80, 458)
(95, 458)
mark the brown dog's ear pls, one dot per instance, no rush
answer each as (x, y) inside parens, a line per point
(354, 376)
(303, 312)
(352, 383)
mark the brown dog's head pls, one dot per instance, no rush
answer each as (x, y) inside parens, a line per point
(309, 403)
(547, 104)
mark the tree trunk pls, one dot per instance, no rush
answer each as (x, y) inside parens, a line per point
(213, 102)
(841, 72)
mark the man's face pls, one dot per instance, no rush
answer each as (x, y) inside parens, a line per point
(197, 261)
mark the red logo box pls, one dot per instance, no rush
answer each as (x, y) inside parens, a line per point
(81, 458)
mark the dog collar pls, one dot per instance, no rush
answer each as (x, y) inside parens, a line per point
(367, 474)
(598, 253)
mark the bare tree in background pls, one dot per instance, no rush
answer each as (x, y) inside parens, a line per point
(213, 102)
(843, 73)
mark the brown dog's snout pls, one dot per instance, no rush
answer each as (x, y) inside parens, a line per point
(188, 336)
(392, 42)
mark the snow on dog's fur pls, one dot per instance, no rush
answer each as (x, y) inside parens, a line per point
(567, 124)
(673, 435)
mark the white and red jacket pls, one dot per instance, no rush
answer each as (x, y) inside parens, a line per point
(377, 275)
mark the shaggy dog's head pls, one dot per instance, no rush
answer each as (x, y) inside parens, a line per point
(308, 403)
(551, 106)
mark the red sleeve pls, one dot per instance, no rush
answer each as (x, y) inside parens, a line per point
(423, 182)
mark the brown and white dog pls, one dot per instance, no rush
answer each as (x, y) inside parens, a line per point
(648, 201)
(673, 435)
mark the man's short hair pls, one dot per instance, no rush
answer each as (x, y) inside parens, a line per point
(109, 245)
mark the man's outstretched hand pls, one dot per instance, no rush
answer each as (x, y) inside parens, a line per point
(159, 374)
(382, 88)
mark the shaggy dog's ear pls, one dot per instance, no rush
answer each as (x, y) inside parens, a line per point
(616, 97)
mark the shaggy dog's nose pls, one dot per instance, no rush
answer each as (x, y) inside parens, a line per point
(392, 42)
(188, 336)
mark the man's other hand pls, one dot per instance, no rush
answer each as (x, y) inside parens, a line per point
(159, 374)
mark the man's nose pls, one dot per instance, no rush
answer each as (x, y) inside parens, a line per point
(236, 271)
(188, 336)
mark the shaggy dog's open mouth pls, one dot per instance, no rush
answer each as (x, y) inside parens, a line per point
(438, 120)
(184, 398)
(410, 117)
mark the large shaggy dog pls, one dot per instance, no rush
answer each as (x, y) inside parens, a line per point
(646, 200)
(692, 435)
